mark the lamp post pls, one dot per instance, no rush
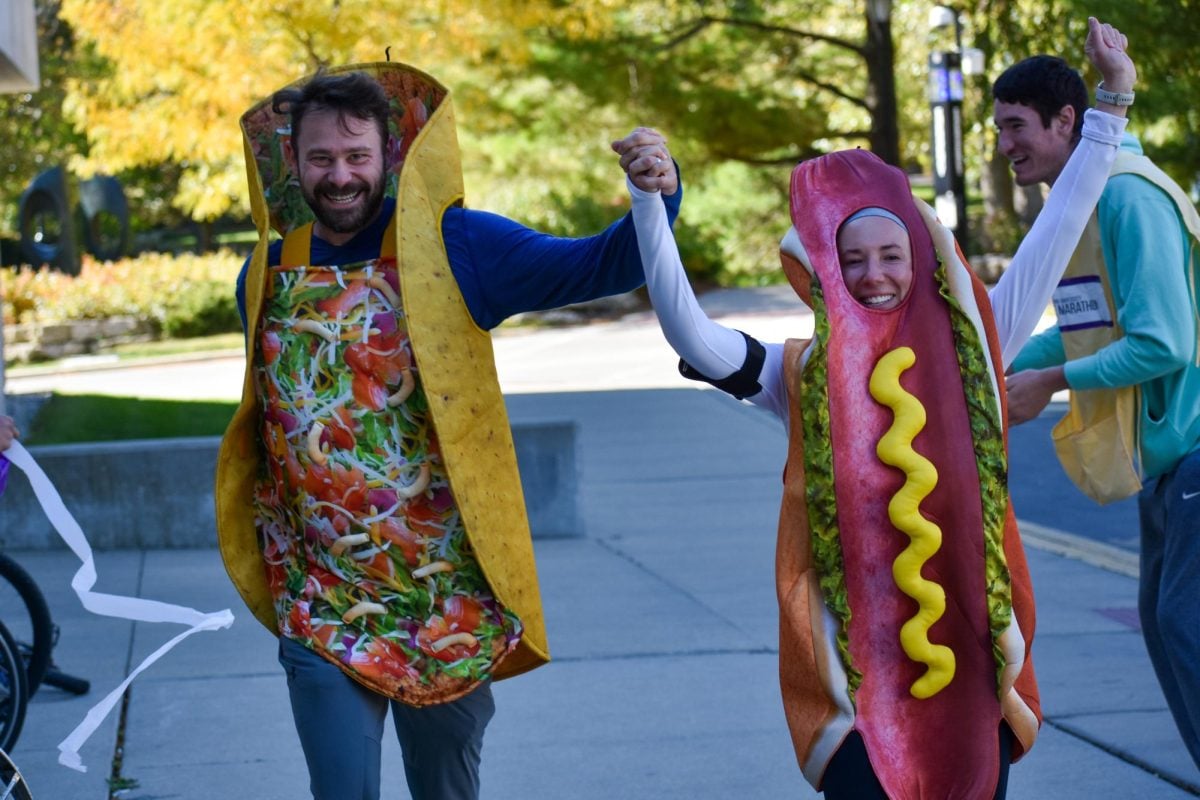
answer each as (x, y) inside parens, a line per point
(945, 101)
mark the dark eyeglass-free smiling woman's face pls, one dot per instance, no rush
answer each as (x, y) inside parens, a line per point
(876, 260)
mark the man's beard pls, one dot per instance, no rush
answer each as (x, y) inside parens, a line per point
(345, 220)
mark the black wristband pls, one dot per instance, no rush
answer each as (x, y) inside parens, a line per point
(741, 384)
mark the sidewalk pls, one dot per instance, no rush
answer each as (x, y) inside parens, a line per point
(663, 629)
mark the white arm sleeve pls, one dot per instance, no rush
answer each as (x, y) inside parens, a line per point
(712, 349)
(1025, 288)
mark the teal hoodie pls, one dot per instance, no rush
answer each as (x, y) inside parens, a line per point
(1145, 248)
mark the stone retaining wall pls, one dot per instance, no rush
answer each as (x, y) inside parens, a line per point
(35, 342)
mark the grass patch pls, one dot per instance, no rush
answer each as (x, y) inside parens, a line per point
(69, 418)
(139, 351)
(173, 347)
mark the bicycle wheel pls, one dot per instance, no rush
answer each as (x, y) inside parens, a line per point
(12, 783)
(24, 611)
(14, 692)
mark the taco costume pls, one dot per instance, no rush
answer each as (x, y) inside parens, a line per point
(368, 501)
(905, 601)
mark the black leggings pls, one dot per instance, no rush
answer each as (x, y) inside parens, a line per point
(849, 775)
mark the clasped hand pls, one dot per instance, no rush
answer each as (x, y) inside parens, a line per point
(647, 162)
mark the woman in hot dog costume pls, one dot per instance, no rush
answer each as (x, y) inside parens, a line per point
(906, 613)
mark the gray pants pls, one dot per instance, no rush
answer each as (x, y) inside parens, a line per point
(340, 724)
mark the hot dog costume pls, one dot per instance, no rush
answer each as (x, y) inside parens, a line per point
(906, 611)
(370, 466)
(905, 605)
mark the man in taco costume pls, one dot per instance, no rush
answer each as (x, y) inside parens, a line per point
(906, 611)
(369, 506)
(1126, 345)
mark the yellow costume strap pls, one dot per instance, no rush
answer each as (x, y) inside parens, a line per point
(297, 245)
(1096, 440)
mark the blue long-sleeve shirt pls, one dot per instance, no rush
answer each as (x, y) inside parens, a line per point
(502, 267)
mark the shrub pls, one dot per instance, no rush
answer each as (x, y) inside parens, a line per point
(184, 295)
(201, 310)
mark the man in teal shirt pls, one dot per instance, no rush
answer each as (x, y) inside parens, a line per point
(1145, 268)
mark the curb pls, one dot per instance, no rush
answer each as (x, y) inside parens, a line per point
(100, 363)
(1079, 548)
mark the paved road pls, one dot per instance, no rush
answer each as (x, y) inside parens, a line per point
(662, 621)
(1042, 492)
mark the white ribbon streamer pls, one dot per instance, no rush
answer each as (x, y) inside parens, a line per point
(109, 605)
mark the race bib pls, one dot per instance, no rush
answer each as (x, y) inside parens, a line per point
(1080, 303)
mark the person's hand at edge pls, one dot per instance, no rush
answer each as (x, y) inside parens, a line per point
(8, 432)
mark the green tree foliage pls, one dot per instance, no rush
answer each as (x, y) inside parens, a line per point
(1164, 37)
(1165, 117)
(39, 132)
(756, 82)
(183, 71)
(743, 88)
(35, 133)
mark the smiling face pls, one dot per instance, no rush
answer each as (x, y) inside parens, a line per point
(340, 163)
(876, 260)
(1036, 151)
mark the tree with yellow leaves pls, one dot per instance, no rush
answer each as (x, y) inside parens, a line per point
(182, 72)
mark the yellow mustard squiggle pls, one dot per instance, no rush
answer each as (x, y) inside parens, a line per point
(895, 449)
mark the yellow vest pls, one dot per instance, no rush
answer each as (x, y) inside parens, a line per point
(1097, 440)
(457, 368)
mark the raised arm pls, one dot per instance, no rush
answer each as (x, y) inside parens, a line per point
(711, 348)
(1025, 288)
(714, 351)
